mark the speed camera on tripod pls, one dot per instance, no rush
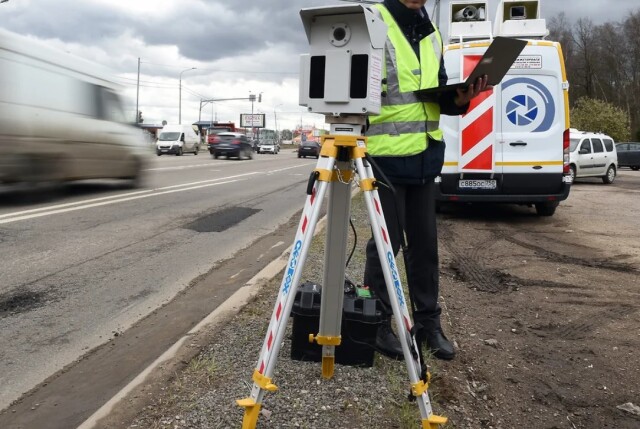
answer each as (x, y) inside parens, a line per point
(342, 73)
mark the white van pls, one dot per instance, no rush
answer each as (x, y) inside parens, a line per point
(61, 118)
(592, 155)
(177, 139)
(512, 146)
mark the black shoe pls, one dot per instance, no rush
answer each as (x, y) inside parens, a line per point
(439, 345)
(388, 343)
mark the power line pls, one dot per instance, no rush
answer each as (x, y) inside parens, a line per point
(226, 71)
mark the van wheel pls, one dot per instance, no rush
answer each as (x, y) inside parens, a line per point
(572, 173)
(635, 167)
(179, 152)
(547, 208)
(610, 176)
(195, 152)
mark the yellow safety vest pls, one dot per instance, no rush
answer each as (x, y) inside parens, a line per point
(404, 122)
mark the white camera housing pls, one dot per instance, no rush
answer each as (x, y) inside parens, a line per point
(342, 73)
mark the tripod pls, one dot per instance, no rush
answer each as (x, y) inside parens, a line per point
(342, 150)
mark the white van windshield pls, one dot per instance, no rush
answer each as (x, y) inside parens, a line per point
(169, 137)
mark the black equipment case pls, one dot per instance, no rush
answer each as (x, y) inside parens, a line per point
(361, 317)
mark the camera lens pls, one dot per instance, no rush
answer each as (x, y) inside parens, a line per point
(339, 34)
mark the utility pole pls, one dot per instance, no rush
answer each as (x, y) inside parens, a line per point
(138, 92)
(180, 94)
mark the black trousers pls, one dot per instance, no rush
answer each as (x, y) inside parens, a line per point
(415, 206)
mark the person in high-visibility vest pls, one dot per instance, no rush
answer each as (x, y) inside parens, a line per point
(407, 146)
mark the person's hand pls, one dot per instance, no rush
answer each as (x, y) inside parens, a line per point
(464, 96)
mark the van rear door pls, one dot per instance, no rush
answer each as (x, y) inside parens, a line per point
(531, 121)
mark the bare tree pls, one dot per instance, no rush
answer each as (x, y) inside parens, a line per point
(585, 67)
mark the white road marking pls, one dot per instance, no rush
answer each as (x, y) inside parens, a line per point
(130, 196)
(181, 167)
(236, 274)
(93, 200)
(278, 244)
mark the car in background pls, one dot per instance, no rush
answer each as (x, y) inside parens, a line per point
(309, 148)
(269, 146)
(592, 155)
(231, 145)
(629, 155)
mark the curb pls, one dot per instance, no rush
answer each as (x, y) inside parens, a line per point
(243, 296)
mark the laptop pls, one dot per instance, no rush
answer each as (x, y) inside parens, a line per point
(495, 63)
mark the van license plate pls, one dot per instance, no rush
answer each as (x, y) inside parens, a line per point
(478, 184)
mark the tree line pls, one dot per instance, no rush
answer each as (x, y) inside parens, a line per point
(603, 66)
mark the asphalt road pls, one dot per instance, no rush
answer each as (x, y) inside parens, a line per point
(81, 268)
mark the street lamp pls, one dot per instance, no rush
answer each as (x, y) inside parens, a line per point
(275, 119)
(180, 95)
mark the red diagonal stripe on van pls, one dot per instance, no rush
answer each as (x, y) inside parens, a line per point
(470, 62)
(482, 161)
(475, 102)
(477, 131)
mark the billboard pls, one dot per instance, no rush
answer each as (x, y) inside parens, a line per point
(252, 120)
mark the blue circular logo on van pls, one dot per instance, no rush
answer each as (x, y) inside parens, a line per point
(533, 106)
(522, 110)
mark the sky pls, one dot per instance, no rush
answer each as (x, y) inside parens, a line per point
(237, 48)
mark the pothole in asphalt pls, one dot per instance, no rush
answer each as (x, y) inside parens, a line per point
(222, 220)
(20, 302)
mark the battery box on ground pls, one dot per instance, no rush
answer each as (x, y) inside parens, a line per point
(361, 316)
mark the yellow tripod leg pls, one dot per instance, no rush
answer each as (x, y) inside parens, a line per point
(251, 412)
(433, 422)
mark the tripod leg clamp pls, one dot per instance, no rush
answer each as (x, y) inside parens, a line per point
(419, 388)
(264, 382)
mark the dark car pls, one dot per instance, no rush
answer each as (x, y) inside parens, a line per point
(309, 148)
(231, 145)
(629, 155)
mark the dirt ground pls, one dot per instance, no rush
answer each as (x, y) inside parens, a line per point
(544, 311)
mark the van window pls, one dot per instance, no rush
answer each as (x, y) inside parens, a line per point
(608, 144)
(634, 146)
(573, 144)
(110, 106)
(586, 145)
(597, 145)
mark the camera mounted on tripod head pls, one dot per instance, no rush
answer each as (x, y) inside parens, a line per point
(342, 73)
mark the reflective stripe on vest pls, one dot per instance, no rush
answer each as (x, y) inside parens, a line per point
(402, 115)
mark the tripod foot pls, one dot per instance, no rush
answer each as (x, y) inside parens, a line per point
(251, 412)
(433, 422)
(328, 363)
